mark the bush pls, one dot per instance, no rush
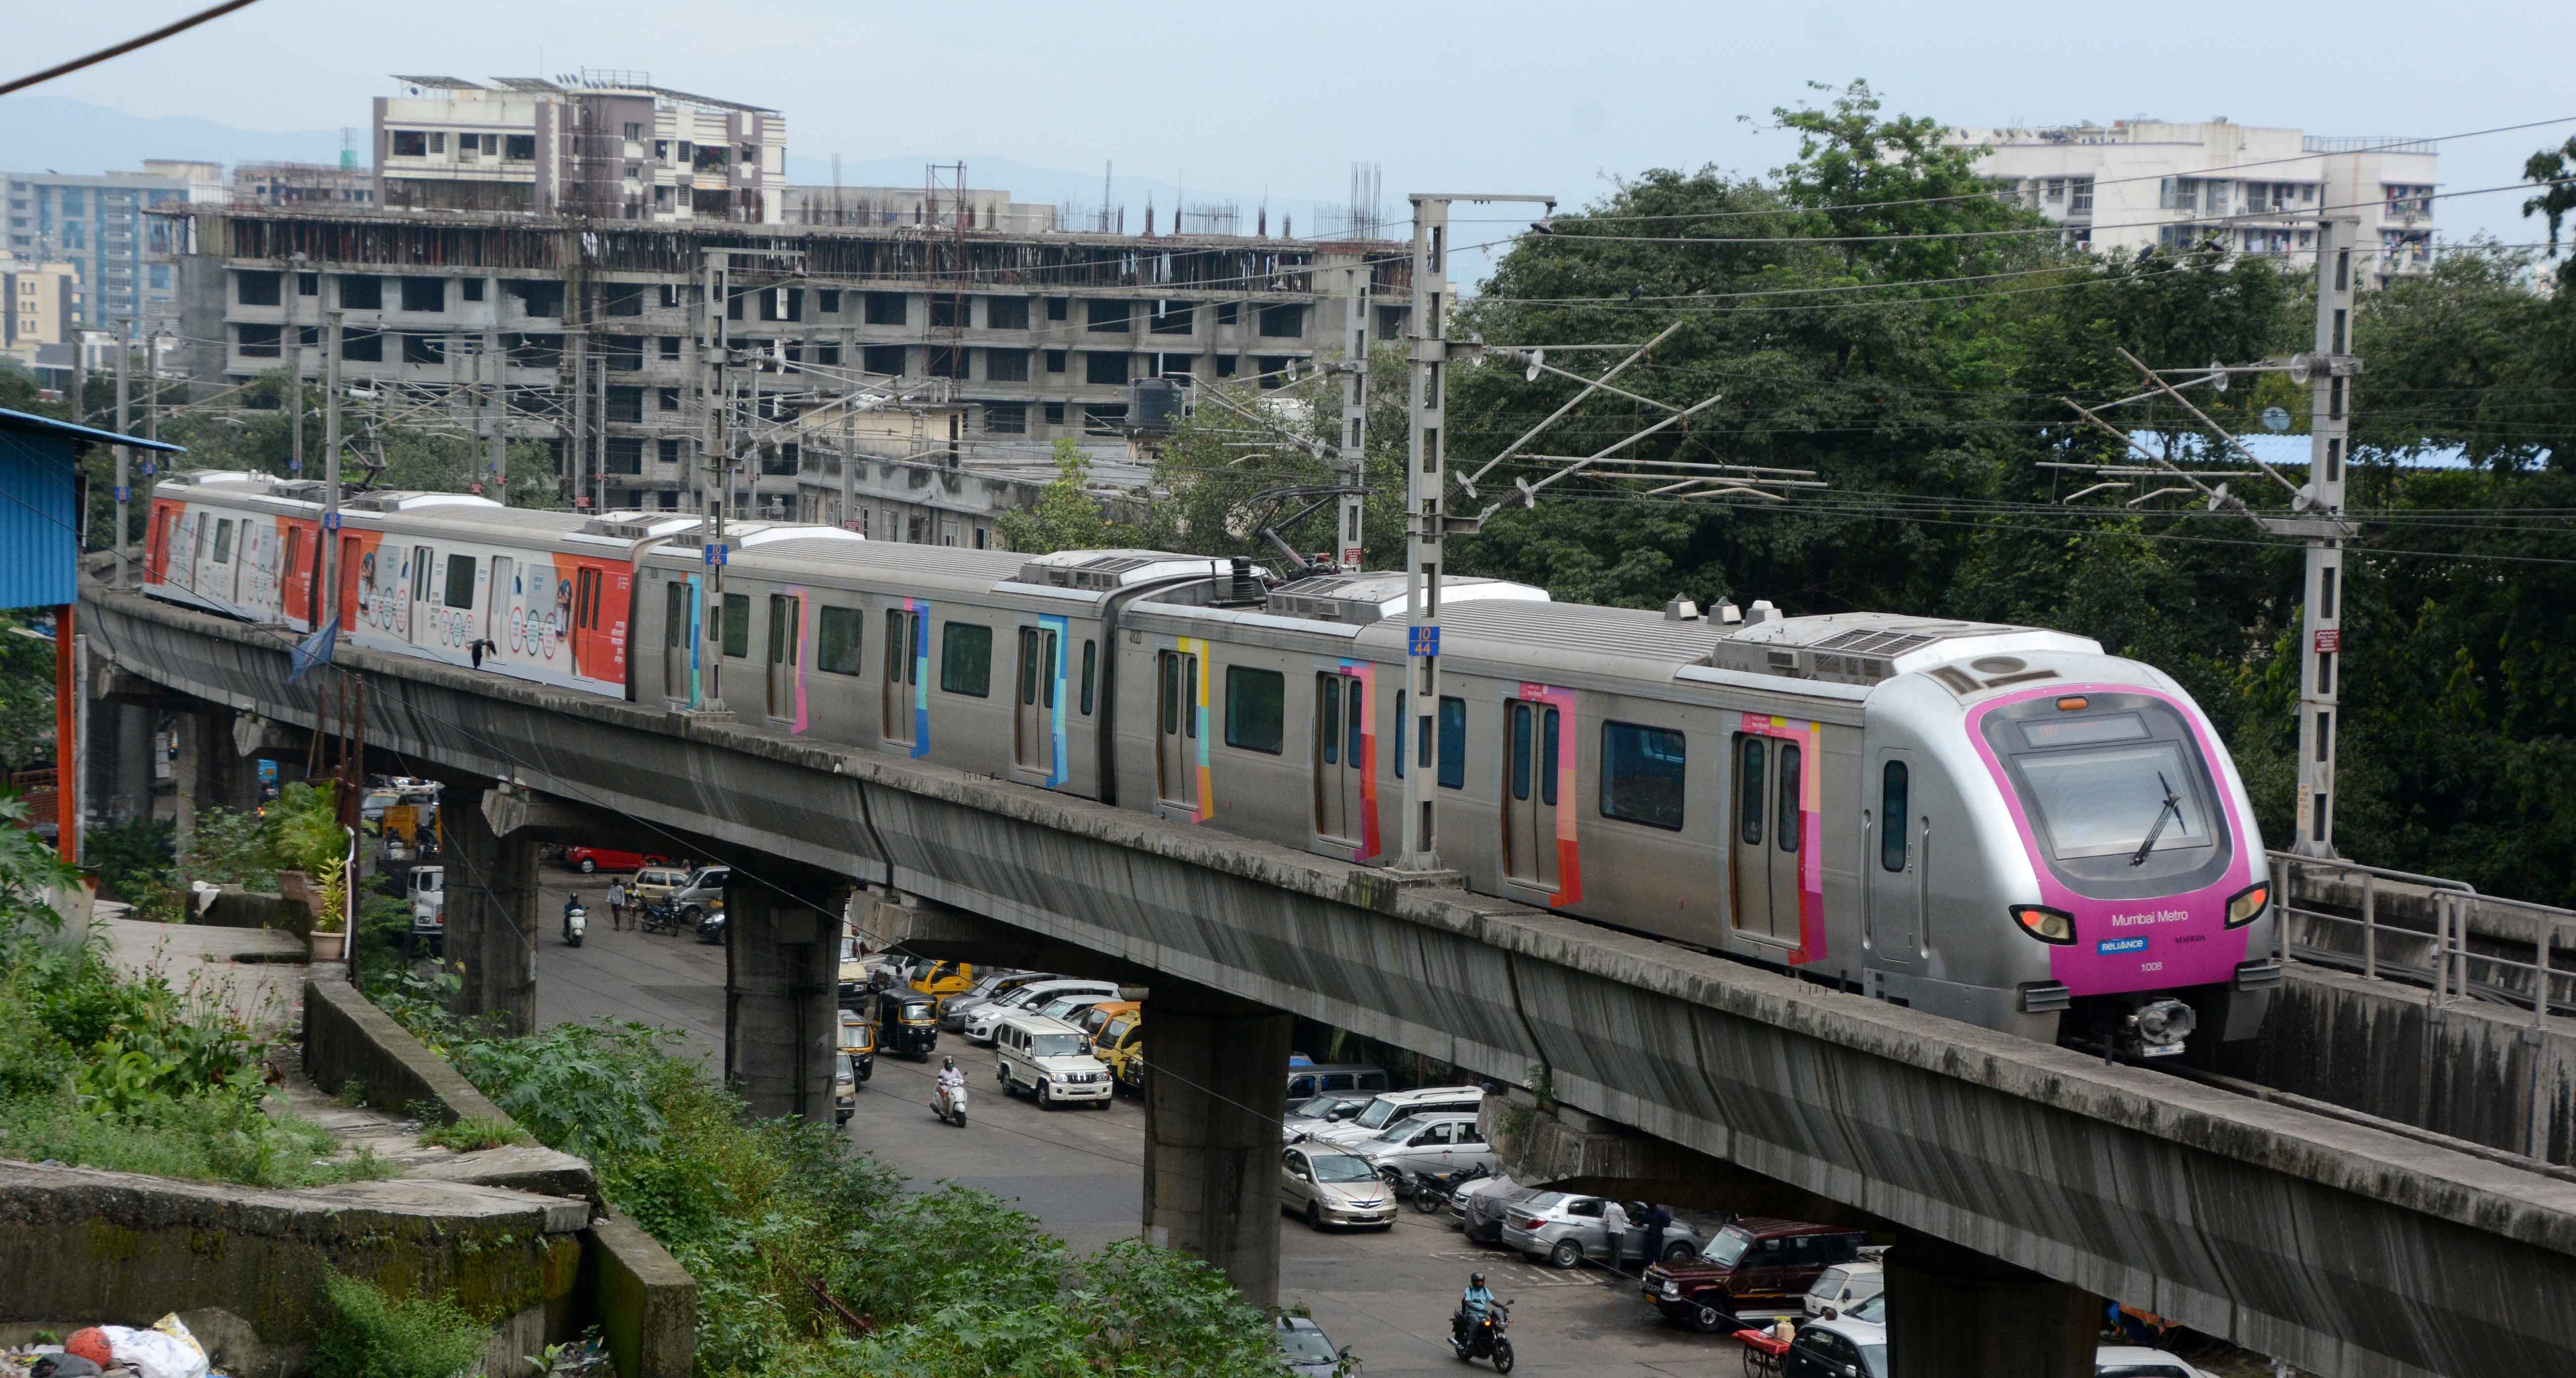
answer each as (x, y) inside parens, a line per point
(472, 1133)
(372, 1335)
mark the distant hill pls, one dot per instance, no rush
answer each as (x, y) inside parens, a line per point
(38, 133)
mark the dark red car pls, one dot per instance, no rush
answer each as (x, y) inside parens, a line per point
(1751, 1266)
(590, 859)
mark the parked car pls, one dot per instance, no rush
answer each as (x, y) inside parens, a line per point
(704, 890)
(1395, 1105)
(589, 860)
(654, 882)
(1072, 1006)
(1096, 1018)
(426, 888)
(1839, 1348)
(1330, 1188)
(945, 978)
(1846, 1285)
(2131, 1361)
(1567, 1229)
(1050, 1060)
(1120, 1045)
(980, 1024)
(853, 975)
(992, 985)
(1306, 1116)
(1480, 1208)
(1751, 1267)
(1312, 1079)
(1426, 1143)
(1309, 1352)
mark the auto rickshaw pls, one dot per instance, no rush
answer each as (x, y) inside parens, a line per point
(908, 1024)
(859, 1045)
(845, 1092)
(944, 978)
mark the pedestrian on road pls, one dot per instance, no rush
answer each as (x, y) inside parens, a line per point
(616, 904)
(1614, 1228)
(1658, 1219)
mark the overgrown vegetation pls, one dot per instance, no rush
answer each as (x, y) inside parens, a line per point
(811, 1259)
(300, 831)
(372, 1335)
(473, 1132)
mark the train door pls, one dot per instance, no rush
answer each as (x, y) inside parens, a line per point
(675, 641)
(1341, 760)
(496, 608)
(1898, 837)
(1529, 793)
(156, 546)
(1033, 718)
(1768, 833)
(786, 621)
(902, 673)
(1176, 740)
(420, 626)
(353, 554)
(293, 599)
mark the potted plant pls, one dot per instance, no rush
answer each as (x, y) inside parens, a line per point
(331, 915)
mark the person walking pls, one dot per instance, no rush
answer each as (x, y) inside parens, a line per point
(617, 904)
(1658, 1219)
(1614, 1232)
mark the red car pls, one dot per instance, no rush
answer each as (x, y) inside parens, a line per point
(591, 859)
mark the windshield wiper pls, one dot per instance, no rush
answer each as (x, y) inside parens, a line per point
(2170, 811)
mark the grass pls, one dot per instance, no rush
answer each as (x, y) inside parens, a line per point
(372, 1335)
(474, 1132)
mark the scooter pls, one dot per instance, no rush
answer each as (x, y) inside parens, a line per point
(1431, 1190)
(1485, 1338)
(949, 1103)
(576, 922)
(711, 926)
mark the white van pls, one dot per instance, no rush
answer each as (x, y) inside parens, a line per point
(426, 887)
(985, 1018)
(1396, 1106)
(1050, 1060)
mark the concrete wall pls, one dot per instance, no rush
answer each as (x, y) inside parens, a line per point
(344, 1036)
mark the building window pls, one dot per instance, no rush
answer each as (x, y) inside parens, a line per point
(1103, 369)
(1006, 365)
(1057, 308)
(827, 301)
(666, 399)
(1006, 313)
(1173, 365)
(1256, 703)
(948, 311)
(1642, 772)
(306, 284)
(1226, 365)
(1284, 321)
(410, 143)
(966, 659)
(623, 353)
(667, 451)
(626, 454)
(942, 362)
(2079, 194)
(519, 148)
(885, 308)
(621, 299)
(1055, 413)
(1109, 315)
(625, 403)
(472, 287)
(537, 297)
(1228, 313)
(253, 288)
(1006, 418)
(670, 348)
(257, 341)
(885, 359)
(424, 294)
(362, 346)
(1273, 369)
(424, 349)
(1055, 361)
(1174, 318)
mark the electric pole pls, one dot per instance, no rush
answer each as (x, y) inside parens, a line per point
(500, 394)
(2321, 636)
(124, 459)
(574, 454)
(329, 566)
(599, 437)
(1353, 447)
(849, 515)
(714, 379)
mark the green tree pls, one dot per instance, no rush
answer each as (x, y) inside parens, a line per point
(1067, 516)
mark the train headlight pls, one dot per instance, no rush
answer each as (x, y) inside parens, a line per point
(2046, 924)
(2246, 905)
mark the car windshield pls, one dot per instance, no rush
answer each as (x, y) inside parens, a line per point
(1055, 1045)
(849, 948)
(1829, 1283)
(1117, 1029)
(1873, 1310)
(1342, 1167)
(1726, 1248)
(1307, 1347)
(1315, 1108)
(709, 875)
(916, 1009)
(1376, 1116)
(1543, 1202)
(1874, 1358)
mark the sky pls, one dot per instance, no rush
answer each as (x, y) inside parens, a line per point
(1496, 96)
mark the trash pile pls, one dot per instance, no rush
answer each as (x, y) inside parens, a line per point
(166, 1350)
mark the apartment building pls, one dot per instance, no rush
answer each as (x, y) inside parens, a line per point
(96, 223)
(303, 184)
(604, 145)
(2132, 184)
(929, 207)
(1029, 337)
(36, 308)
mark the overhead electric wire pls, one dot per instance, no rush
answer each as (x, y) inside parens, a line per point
(120, 49)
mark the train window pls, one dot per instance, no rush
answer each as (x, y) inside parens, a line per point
(1256, 708)
(1329, 702)
(589, 599)
(1788, 817)
(1547, 758)
(1894, 830)
(1453, 743)
(901, 665)
(1090, 654)
(1029, 669)
(675, 615)
(1748, 788)
(1520, 751)
(1399, 734)
(1171, 689)
(460, 581)
(1354, 718)
(1190, 697)
(1642, 773)
(966, 659)
(224, 541)
(737, 625)
(841, 631)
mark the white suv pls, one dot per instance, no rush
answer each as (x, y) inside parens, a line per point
(1392, 1106)
(983, 1019)
(1050, 1060)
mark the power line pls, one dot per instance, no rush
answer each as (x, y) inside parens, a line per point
(129, 45)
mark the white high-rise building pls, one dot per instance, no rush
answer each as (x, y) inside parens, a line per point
(2129, 184)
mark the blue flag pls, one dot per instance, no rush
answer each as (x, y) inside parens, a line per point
(313, 650)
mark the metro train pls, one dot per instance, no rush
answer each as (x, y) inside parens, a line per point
(1998, 824)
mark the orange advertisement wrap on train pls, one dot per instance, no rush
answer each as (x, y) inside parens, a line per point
(598, 601)
(364, 592)
(156, 546)
(296, 569)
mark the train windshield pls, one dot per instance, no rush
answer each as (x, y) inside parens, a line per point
(2110, 799)
(2118, 795)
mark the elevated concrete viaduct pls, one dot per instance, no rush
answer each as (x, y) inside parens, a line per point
(2340, 1248)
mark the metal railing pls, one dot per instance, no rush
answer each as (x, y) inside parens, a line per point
(2448, 957)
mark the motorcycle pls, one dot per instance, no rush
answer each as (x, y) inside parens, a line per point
(576, 922)
(949, 1103)
(711, 926)
(1431, 1190)
(656, 916)
(1484, 1339)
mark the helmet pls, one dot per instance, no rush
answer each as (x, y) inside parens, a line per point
(947, 1062)
(1476, 1280)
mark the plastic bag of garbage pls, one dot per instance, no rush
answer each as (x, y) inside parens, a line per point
(167, 1350)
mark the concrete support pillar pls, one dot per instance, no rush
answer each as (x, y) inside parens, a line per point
(120, 759)
(493, 923)
(1956, 1314)
(1214, 1094)
(198, 740)
(782, 1014)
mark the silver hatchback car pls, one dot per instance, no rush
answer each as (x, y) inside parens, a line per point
(1331, 1188)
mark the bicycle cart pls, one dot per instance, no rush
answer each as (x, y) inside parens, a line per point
(1761, 1353)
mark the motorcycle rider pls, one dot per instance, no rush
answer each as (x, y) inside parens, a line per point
(1472, 1305)
(950, 1079)
(569, 906)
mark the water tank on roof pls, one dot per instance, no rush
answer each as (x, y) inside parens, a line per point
(1153, 406)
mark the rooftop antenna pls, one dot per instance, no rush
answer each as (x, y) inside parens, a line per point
(1106, 166)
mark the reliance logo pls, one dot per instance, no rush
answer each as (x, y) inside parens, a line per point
(2111, 945)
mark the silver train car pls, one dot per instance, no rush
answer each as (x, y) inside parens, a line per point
(1998, 824)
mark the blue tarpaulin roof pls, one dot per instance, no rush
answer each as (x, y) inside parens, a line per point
(40, 506)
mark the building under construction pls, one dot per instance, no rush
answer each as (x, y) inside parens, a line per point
(586, 333)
